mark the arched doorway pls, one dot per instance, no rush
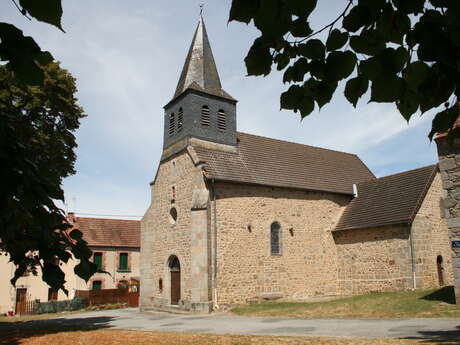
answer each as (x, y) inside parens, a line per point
(439, 261)
(174, 269)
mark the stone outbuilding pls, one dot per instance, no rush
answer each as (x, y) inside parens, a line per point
(236, 217)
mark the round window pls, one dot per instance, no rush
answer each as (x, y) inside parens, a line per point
(173, 215)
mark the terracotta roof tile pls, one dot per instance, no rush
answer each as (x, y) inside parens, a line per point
(109, 232)
(272, 162)
(393, 199)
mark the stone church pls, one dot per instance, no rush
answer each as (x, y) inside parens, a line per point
(236, 217)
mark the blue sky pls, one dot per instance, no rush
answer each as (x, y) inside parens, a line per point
(127, 57)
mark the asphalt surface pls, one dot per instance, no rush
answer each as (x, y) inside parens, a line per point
(440, 329)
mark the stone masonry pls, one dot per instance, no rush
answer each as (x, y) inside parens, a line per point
(383, 258)
(449, 165)
(307, 265)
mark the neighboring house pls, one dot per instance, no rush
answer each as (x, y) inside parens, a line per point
(236, 217)
(115, 245)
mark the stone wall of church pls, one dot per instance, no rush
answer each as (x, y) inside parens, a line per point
(380, 259)
(374, 259)
(162, 237)
(431, 239)
(307, 265)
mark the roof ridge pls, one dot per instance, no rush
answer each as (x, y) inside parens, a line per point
(400, 173)
(306, 145)
(111, 219)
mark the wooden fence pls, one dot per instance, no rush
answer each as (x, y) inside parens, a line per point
(109, 296)
(25, 307)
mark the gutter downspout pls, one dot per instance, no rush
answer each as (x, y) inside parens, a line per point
(414, 284)
(214, 273)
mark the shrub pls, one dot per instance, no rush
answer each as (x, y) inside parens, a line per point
(59, 306)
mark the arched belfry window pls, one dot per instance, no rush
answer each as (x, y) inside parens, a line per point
(180, 120)
(275, 238)
(205, 116)
(171, 124)
(221, 120)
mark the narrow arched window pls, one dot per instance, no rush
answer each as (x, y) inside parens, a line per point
(171, 124)
(205, 116)
(221, 120)
(180, 120)
(275, 238)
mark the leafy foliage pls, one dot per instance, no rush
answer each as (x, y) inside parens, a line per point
(36, 152)
(404, 52)
(24, 56)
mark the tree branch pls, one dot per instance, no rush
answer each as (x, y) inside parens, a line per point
(330, 25)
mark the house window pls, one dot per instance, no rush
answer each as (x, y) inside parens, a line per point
(123, 262)
(52, 294)
(97, 285)
(205, 116)
(97, 259)
(221, 120)
(171, 124)
(180, 120)
(275, 238)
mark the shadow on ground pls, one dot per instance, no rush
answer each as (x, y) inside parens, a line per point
(446, 294)
(439, 337)
(12, 333)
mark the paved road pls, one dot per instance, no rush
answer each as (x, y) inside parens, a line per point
(435, 328)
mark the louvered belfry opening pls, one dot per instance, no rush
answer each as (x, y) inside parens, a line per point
(205, 116)
(180, 120)
(171, 124)
(221, 120)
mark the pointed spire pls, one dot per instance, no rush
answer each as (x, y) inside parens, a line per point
(200, 71)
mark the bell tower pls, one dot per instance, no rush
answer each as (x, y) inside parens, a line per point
(200, 108)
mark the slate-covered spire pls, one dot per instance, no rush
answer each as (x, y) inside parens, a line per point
(200, 71)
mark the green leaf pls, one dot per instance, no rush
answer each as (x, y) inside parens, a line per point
(415, 74)
(393, 25)
(387, 90)
(369, 42)
(306, 106)
(339, 65)
(336, 40)
(23, 53)
(318, 69)
(300, 28)
(408, 104)
(76, 234)
(259, 60)
(243, 10)
(356, 88)
(48, 11)
(85, 270)
(358, 17)
(300, 67)
(53, 275)
(291, 98)
(313, 49)
(410, 7)
(444, 121)
(440, 3)
(282, 60)
(301, 8)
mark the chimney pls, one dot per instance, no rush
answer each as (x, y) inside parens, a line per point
(71, 217)
(355, 190)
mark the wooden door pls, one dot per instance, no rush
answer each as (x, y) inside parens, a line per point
(175, 287)
(21, 296)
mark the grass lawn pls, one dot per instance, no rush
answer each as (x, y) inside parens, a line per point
(120, 337)
(421, 303)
